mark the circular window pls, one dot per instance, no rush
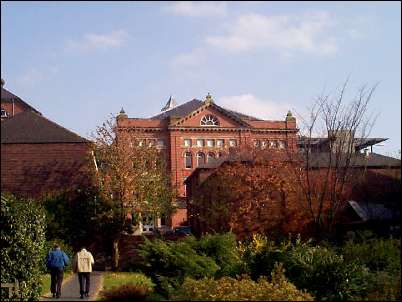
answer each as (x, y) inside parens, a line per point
(209, 120)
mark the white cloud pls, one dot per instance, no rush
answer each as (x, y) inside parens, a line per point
(193, 58)
(251, 105)
(198, 8)
(308, 33)
(92, 41)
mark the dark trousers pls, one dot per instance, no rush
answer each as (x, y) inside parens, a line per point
(84, 278)
(56, 278)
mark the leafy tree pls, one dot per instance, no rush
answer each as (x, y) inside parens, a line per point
(254, 192)
(23, 226)
(132, 180)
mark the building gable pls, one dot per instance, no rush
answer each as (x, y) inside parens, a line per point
(208, 112)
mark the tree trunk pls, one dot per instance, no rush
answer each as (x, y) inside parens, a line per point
(115, 256)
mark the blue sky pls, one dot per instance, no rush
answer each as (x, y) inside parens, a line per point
(77, 62)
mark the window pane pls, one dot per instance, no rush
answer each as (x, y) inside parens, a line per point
(200, 158)
(187, 142)
(210, 142)
(220, 143)
(188, 162)
(232, 143)
(200, 143)
(281, 144)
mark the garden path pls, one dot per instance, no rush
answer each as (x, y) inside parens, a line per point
(70, 290)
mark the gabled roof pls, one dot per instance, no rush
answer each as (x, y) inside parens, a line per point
(358, 160)
(9, 96)
(30, 127)
(188, 107)
(373, 211)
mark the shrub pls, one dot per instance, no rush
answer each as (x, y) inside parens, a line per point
(126, 292)
(23, 226)
(241, 289)
(383, 287)
(324, 273)
(168, 263)
(221, 248)
(376, 254)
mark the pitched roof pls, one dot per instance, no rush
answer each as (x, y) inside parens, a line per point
(359, 142)
(373, 211)
(30, 128)
(372, 160)
(9, 96)
(188, 107)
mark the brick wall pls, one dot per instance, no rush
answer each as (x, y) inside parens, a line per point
(35, 169)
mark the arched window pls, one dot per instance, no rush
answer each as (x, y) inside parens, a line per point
(209, 120)
(200, 158)
(188, 160)
(210, 157)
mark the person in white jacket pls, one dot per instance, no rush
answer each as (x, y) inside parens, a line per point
(82, 264)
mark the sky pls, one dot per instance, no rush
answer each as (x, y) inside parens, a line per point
(80, 62)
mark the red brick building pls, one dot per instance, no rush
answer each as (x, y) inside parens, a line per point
(198, 132)
(39, 156)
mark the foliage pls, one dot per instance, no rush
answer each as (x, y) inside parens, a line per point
(316, 268)
(168, 263)
(23, 226)
(223, 249)
(383, 287)
(254, 193)
(241, 289)
(132, 179)
(377, 254)
(70, 215)
(126, 292)
(114, 279)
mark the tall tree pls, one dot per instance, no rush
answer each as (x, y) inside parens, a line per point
(132, 178)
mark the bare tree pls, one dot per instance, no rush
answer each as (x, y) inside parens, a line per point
(329, 163)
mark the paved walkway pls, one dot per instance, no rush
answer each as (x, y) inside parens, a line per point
(70, 290)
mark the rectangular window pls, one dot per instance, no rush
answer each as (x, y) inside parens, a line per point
(256, 143)
(220, 142)
(184, 187)
(187, 142)
(281, 144)
(210, 143)
(3, 113)
(264, 144)
(272, 144)
(160, 143)
(200, 143)
(232, 143)
(141, 142)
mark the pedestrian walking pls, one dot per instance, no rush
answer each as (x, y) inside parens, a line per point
(56, 260)
(82, 265)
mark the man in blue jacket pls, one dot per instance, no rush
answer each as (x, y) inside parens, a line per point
(56, 260)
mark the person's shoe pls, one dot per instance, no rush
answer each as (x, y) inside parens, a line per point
(82, 297)
(86, 295)
(53, 295)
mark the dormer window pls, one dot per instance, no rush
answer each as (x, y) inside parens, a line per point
(4, 113)
(209, 120)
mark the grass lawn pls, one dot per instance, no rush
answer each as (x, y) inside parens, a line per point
(45, 280)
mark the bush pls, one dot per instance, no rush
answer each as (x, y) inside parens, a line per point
(126, 292)
(376, 254)
(221, 248)
(241, 289)
(168, 263)
(23, 226)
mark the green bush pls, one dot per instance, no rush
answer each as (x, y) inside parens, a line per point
(241, 289)
(376, 254)
(221, 248)
(23, 226)
(168, 263)
(383, 287)
(126, 292)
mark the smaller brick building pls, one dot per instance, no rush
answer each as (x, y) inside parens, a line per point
(39, 156)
